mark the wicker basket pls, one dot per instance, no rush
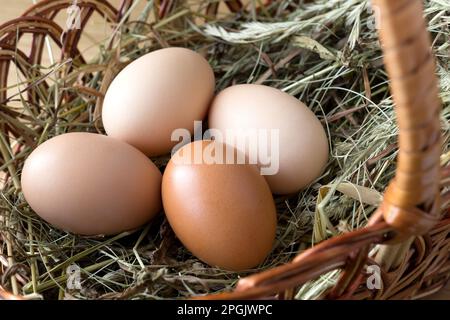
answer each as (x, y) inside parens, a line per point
(411, 219)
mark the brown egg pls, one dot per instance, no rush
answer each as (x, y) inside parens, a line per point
(293, 159)
(91, 184)
(162, 91)
(223, 213)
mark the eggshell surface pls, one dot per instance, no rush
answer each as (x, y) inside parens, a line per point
(301, 152)
(91, 184)
(162, 91)
(223, 213)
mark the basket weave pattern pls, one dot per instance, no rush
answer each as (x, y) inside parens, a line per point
(412, 214)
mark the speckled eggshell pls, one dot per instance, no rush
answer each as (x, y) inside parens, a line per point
(303, 144)
(162, 91)
(91, 184)
(223, 213)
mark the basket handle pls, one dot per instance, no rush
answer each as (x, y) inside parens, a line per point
(412, 200)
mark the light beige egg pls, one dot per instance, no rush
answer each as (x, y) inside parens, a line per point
(291, 142)
(165, 90)
(223, 213)
(91, 184)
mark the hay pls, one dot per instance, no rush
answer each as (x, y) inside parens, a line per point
(325, 52)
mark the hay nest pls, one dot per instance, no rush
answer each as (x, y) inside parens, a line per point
(324, 52)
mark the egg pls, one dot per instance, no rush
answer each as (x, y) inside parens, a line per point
(281, 133)
(91, 184)
(162, 91)
(223, 213)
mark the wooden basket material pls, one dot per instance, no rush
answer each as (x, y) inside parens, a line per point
(411, 215)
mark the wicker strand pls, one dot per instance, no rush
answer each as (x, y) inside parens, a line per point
(412, 203)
